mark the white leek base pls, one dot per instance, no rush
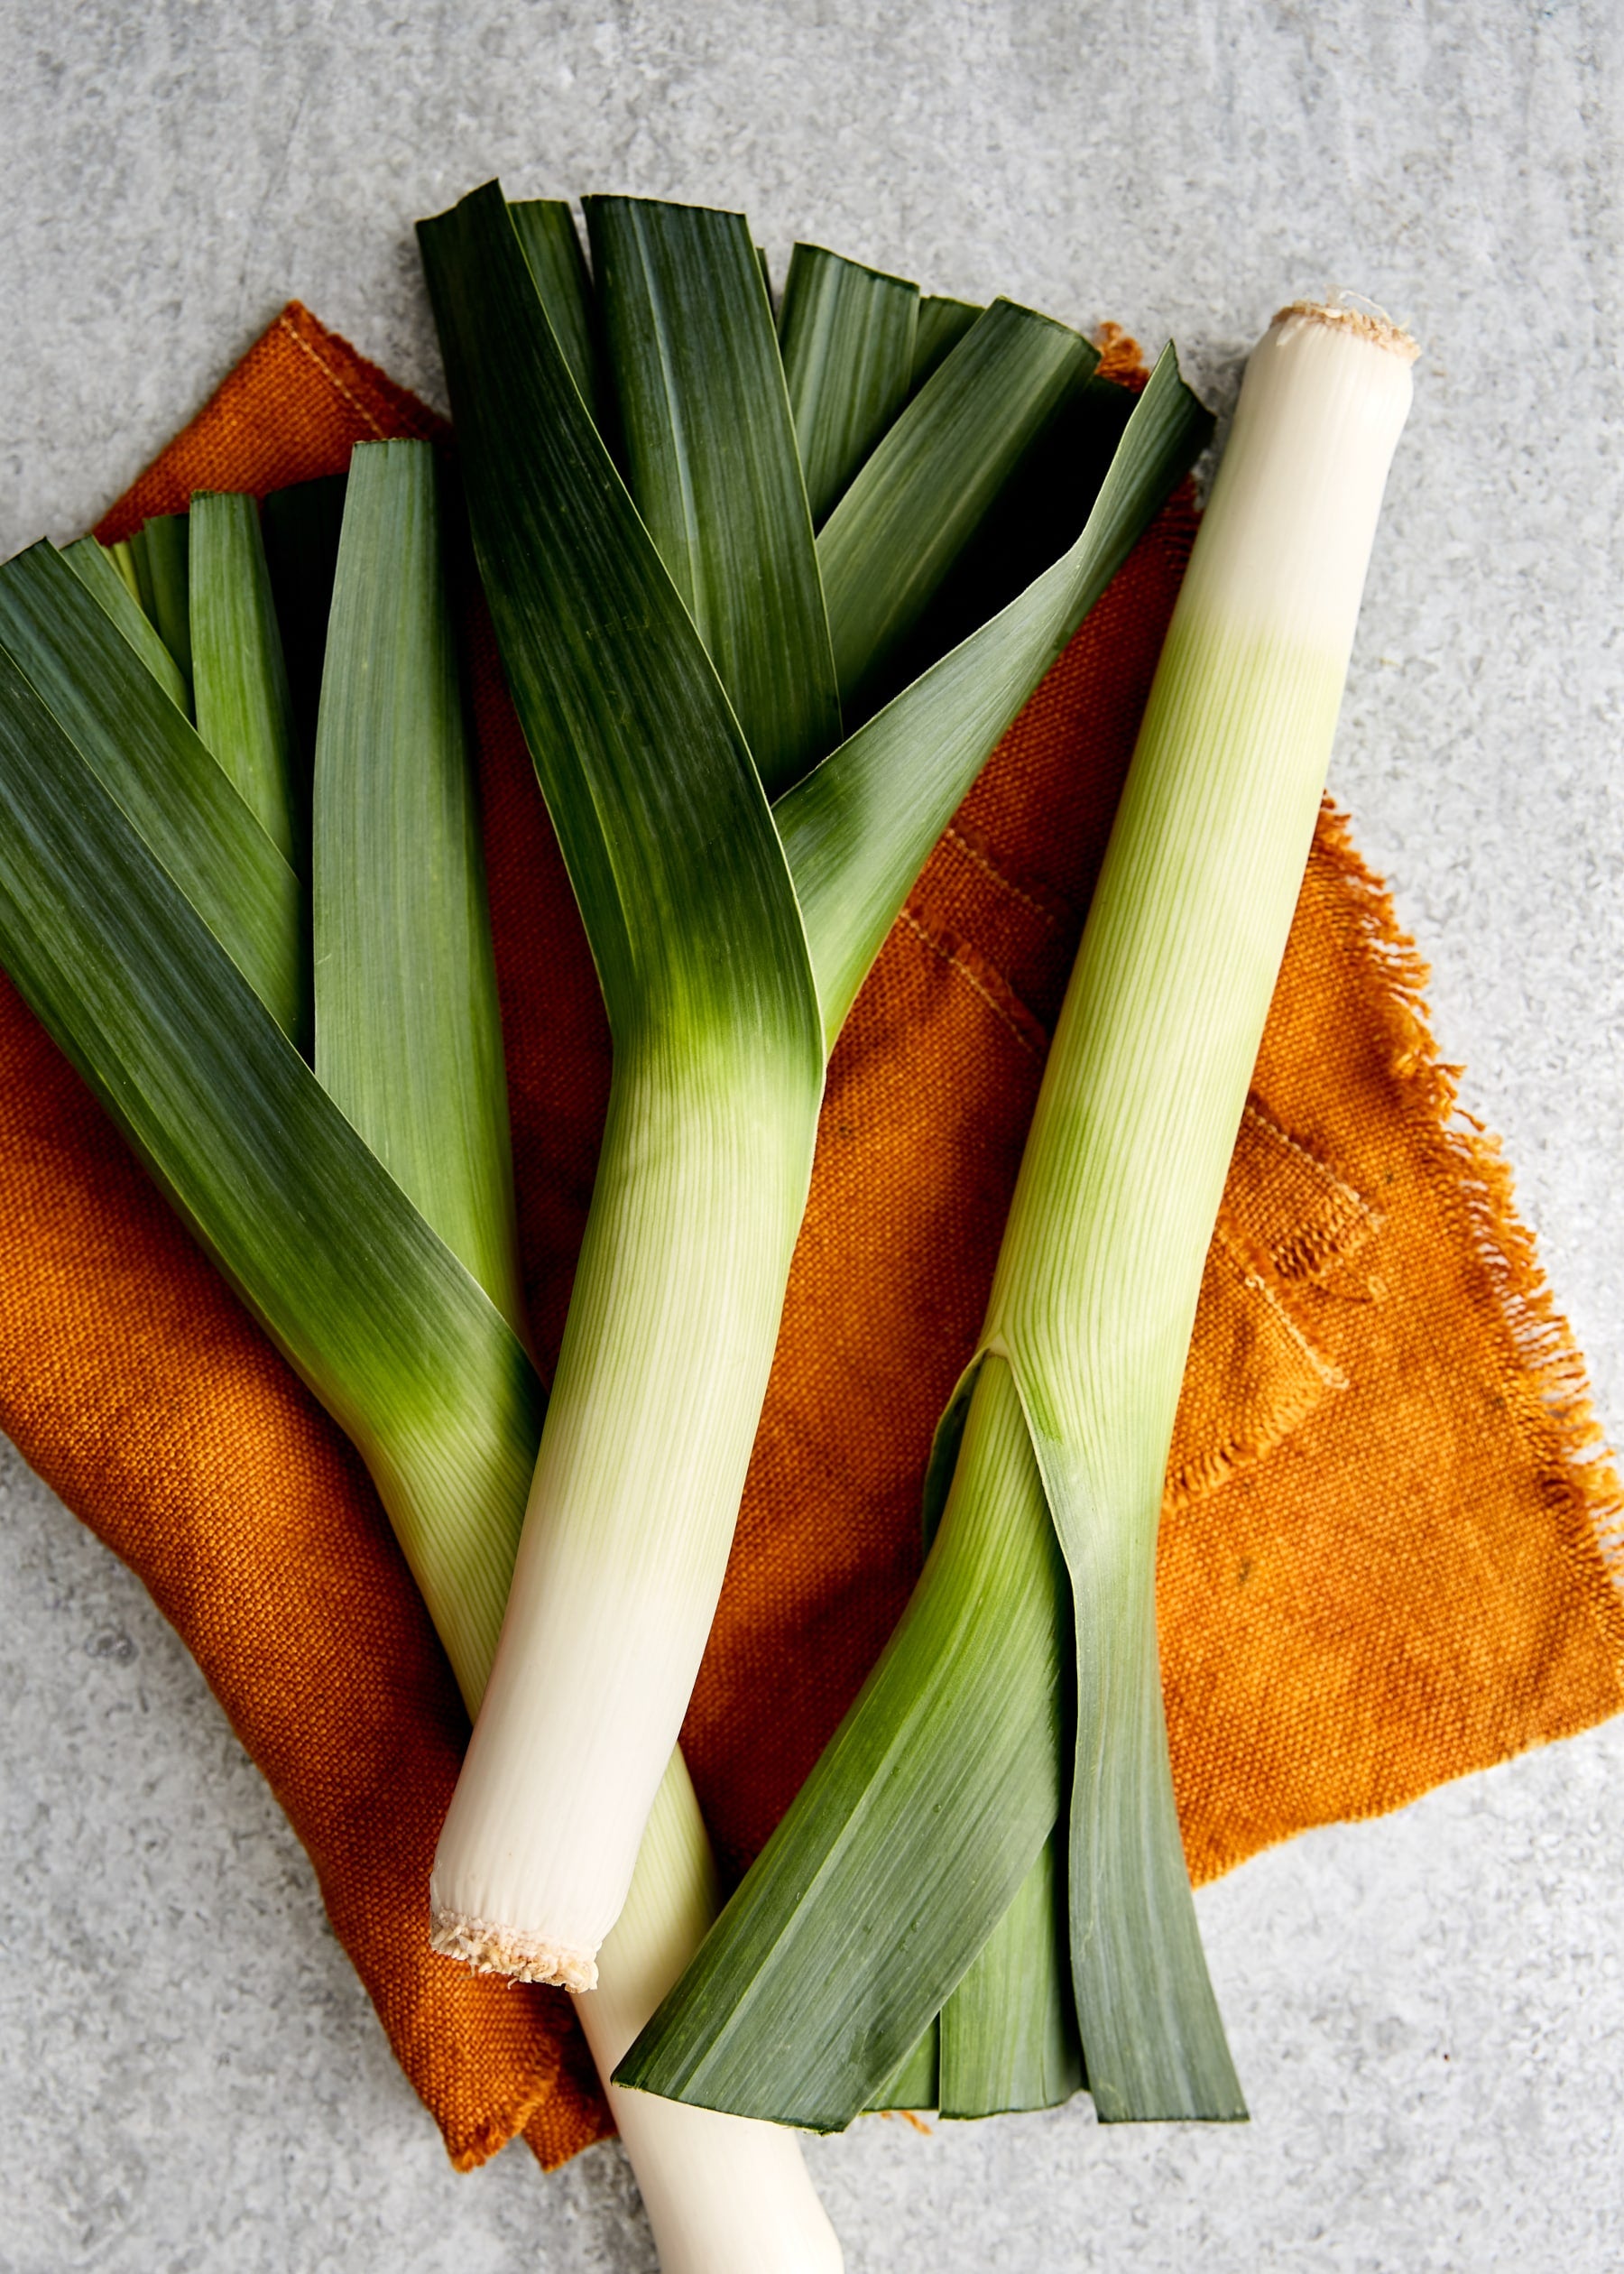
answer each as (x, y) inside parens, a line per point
(724, 2194)
(653, 1410)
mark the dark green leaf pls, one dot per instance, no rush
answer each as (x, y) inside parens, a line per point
(943, 323)
(546, 231)
(921, 496)
(869, 815)
(387, 1327)
(93, 565)
(712, 464)
(917, 2083)
(159, 550)
(128, 730)
(911, 1837)
(1009, 2032)
(676, 863)
(847, 337)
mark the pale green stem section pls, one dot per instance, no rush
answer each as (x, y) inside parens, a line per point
(1095, 1290)
(239, 679)
(700, 1187)
(1009, 2033)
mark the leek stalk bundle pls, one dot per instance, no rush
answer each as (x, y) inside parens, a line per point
(1022, 1685)
(749, 732)
(363, 1209)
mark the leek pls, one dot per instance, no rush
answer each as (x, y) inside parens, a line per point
(729, 940)
(875, 1890)
(372, 1307)
(131, 732)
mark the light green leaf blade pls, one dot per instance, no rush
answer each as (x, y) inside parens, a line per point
(367, 1303)
(858, 829)
(919, 499)
(94, 567)
(846, 334)
(942, 324)
(912, 1836)
(1009, 2032)
(546, 231)
(712, 464)
(244, 708)
(159, 549)
(124, 725)
(408, 1030)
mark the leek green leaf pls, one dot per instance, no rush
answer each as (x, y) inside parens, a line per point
(383, 1322)
(94, 567)
(128, 729)
(244, 708)
(676, 867)
(846, 334)
(712, 464)
(546, 231)
(943, 323)
(869, 815)
(159, 549)
(408, 1031)
(124, 561)
(919, 499)
(1009, 2032)
(914, 1832)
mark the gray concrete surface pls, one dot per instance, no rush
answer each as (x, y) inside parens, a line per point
(1428, 2011)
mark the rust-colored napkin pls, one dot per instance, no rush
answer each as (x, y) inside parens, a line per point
(1389, 1538)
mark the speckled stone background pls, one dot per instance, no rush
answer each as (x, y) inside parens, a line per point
(1428, 2012)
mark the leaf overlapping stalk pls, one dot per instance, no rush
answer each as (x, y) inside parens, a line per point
(729, 940)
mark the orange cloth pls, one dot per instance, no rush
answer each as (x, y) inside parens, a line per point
(1386, 1558)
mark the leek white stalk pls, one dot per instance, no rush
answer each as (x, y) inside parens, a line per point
(724, 2194)
(1136, 1121)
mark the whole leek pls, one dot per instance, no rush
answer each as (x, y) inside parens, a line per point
(650, 626)
(113, 812)
(917, 1828)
